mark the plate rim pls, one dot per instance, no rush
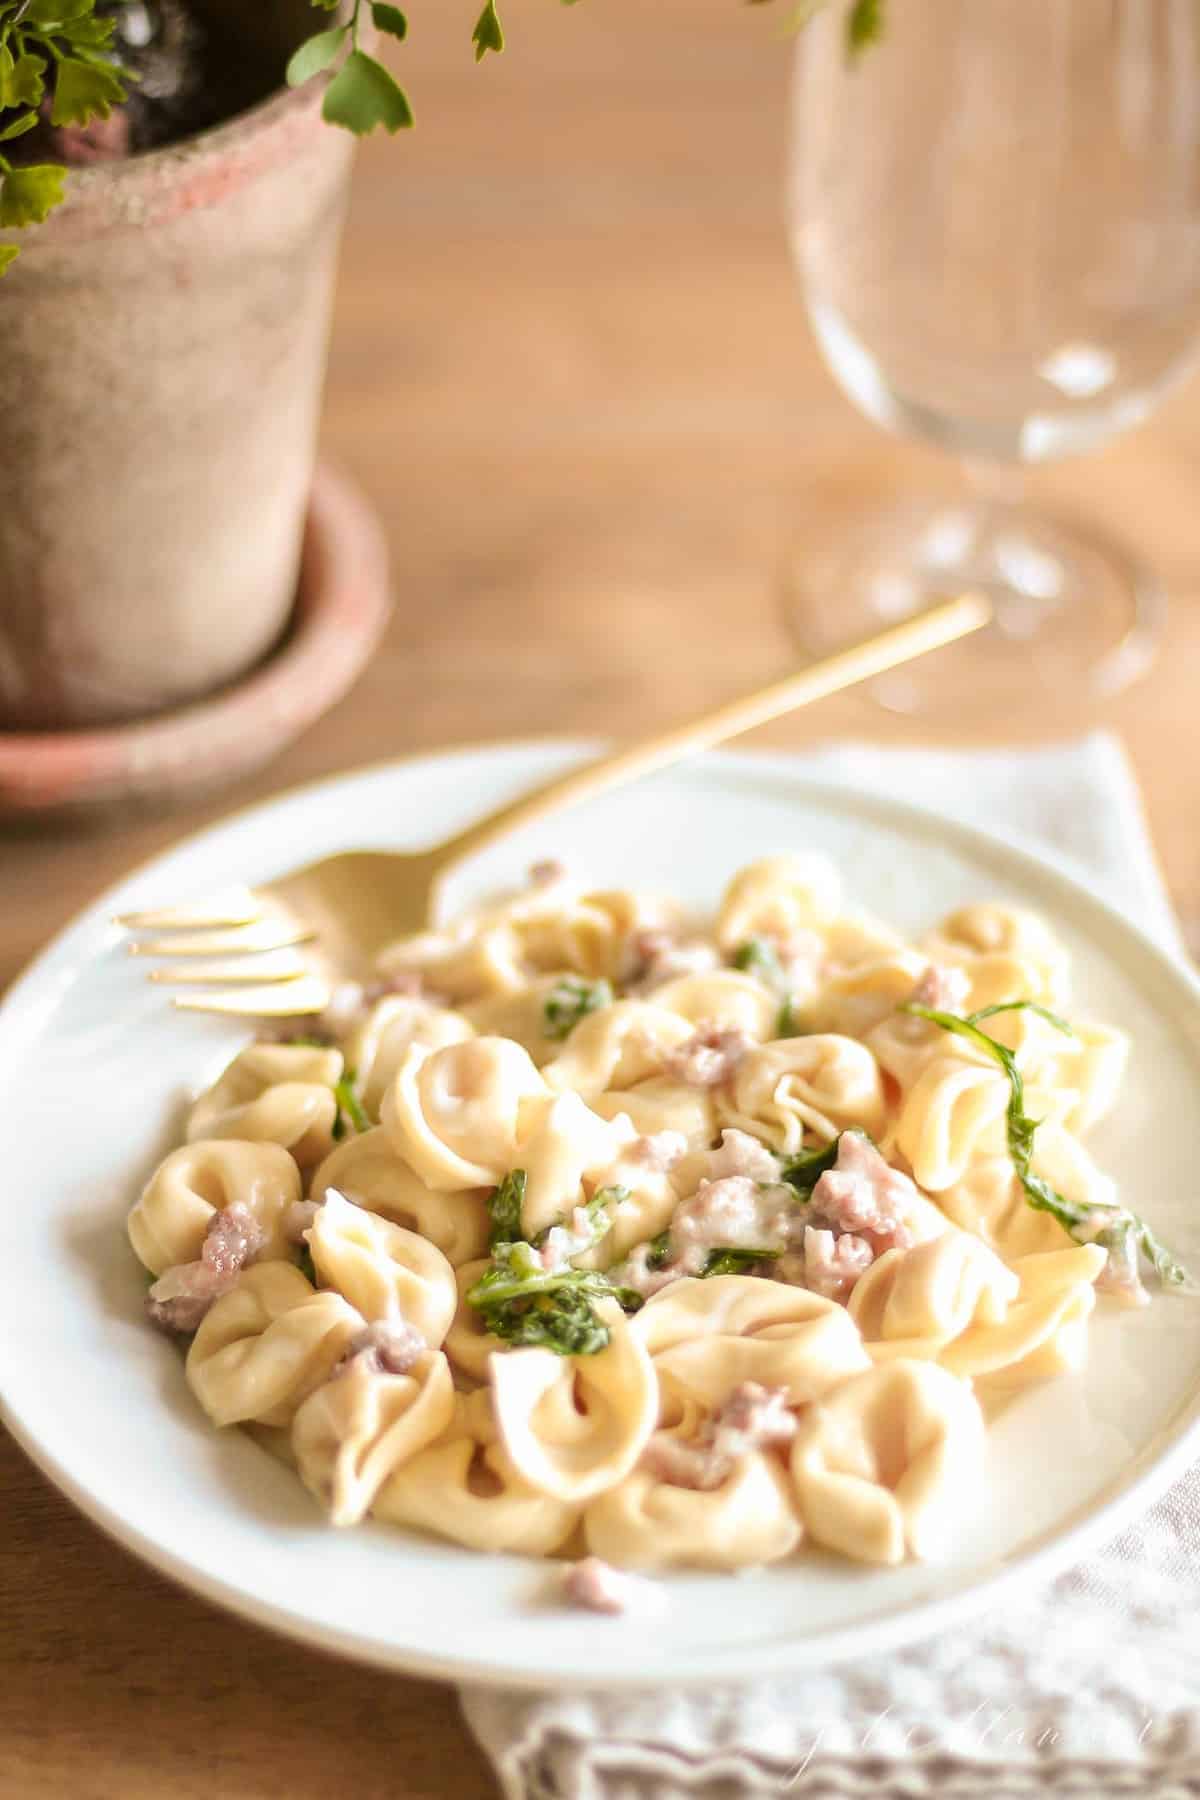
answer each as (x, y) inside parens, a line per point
(1068, 1543)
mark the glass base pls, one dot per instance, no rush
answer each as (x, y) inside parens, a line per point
(1075, 619)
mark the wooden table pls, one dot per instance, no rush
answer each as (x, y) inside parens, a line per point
(570, 366)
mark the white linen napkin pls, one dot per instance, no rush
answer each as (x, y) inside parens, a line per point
(1088, 1686)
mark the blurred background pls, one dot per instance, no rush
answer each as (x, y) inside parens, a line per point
(571, 367)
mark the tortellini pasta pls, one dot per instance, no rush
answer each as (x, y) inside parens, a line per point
(1028, 956)
(989, 1202)
(778, 896)
(524, 1017)
(468, 1342)
(852, 999)
(267, 1344)
(726, 999)
(617, 1047)
(915, 1302)
(686, 1244)
(572, 1426)
(384, 1271)
(557, 928)
(378, 1044)
(953, 1301)
(1091, 1066)
(453, 1114)
(366, 1170)
(465, 1488)
(889, 1462)
(662, 1104)
(805, 1087)
(1044, 1331)
(640, 1202)
(953, 1113)
(467, 961)
(357, 1428)
(562, 1142)
(647, 1523)
(707, 1337)
(277, 1094)
(169, 1222)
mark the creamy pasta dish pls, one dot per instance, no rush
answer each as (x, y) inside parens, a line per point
(597, 1232)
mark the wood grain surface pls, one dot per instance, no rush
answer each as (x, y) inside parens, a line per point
(570, 366)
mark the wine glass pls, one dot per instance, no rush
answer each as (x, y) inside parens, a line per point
(995, 211)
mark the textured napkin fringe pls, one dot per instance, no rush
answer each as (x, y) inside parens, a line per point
(646, 1772)
(1087, 1687)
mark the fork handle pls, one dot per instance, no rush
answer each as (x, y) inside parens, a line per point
(928, 631)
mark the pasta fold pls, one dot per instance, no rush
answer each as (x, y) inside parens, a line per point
(707, 1337)
(377, 1046)
(359, 1427)
(646, 1523)
(465, 1488)
(617, 1047)
(168, 1222)
(366, 1170)
(453, 1114)
(273, 1093)
(778, 896)
(265, 1345)
(384, 1271)
(954, 1112)
(572, 1426)
(889, 1462)
(805, 1087)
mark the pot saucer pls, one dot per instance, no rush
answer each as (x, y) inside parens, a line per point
(342, 605)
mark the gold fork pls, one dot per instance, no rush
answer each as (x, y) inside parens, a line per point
(280, 950)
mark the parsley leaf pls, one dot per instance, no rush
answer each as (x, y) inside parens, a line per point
(658, 1252)
(758, 956)
(349, 1108)
(787, 1024)
(734, 1261)
(597, 1212)
(571, 1000)
(523, 1302)
(504, 1208)
(307, 1266)
(564, 1322)
(516, 1273)
(1116, 1229)
(803, 1172)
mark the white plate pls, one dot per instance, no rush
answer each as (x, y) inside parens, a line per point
(93, 1069)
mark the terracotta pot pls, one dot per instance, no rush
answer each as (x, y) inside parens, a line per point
(164, 340)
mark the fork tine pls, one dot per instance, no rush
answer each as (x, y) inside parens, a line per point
(279, 965)
(280, 1000)
(242, 940)
(233, 906)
